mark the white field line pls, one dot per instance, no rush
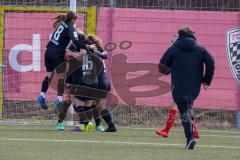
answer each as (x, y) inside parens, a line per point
(220, 136)
(130, 128)
(116, 142)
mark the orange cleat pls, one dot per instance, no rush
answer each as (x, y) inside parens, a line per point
(162, 133)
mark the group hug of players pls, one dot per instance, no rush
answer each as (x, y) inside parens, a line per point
(77, 60)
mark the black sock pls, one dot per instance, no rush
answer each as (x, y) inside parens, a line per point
(60, 87)
(63, 110)
(60, 121)
(83, 119)
(107, 118)
(97, 121)
(89, 112)
(96, 115)
(45, 84)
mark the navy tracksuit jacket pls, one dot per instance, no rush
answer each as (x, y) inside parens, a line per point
(190, 65)
(186, 60)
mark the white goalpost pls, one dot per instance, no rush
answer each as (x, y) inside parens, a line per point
(69, 118)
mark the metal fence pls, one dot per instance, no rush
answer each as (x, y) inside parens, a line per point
(140, 115)
(211, 5)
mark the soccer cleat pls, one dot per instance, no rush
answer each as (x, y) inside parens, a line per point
(89, 127)
(111, 129)
(195, 134)
(99, 128)
(162, 133)
(58, 104)
(76, 129)
(190, 144)
(42, 102)
(82, 128)
(60, 126)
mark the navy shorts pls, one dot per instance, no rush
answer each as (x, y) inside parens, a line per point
(76, 78)
(84, 98)
(103, 82)
(53, 60)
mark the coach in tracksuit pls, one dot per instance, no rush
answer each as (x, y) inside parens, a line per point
(190, 66)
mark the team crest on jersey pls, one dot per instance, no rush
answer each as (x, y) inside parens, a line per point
(233, 50)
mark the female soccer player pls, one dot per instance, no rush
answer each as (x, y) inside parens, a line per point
(172, 114)
(83, 104)
(103, 84)
(54, 55)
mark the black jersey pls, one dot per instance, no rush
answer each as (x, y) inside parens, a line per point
(62, 36)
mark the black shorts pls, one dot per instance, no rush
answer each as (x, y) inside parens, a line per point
(84, 98)
(69, 80)
(76, 79)
(103, 82)
(53, 60)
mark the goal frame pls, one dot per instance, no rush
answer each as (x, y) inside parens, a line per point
(91, 23)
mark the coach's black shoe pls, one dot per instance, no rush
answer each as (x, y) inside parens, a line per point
(190, 144)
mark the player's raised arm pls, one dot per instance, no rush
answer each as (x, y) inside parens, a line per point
(72, 32)
(101, 53)
(209, 67)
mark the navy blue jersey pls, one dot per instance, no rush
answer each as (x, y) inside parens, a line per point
(62, 36)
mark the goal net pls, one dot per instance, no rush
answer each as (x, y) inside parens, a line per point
(24, 33)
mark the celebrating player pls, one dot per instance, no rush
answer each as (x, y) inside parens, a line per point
(83, 103)
(172, 115)
(54, 55)
(186, 59)
(103, 84)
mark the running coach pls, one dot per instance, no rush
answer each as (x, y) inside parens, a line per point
(190, 65)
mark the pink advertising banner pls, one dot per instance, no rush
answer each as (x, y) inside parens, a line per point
(135, 40)
(25, 38)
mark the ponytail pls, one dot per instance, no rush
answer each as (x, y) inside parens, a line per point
(58, 19)
(61, 17)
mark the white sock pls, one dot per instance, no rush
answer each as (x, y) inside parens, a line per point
(43, 94)
(60, 98)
